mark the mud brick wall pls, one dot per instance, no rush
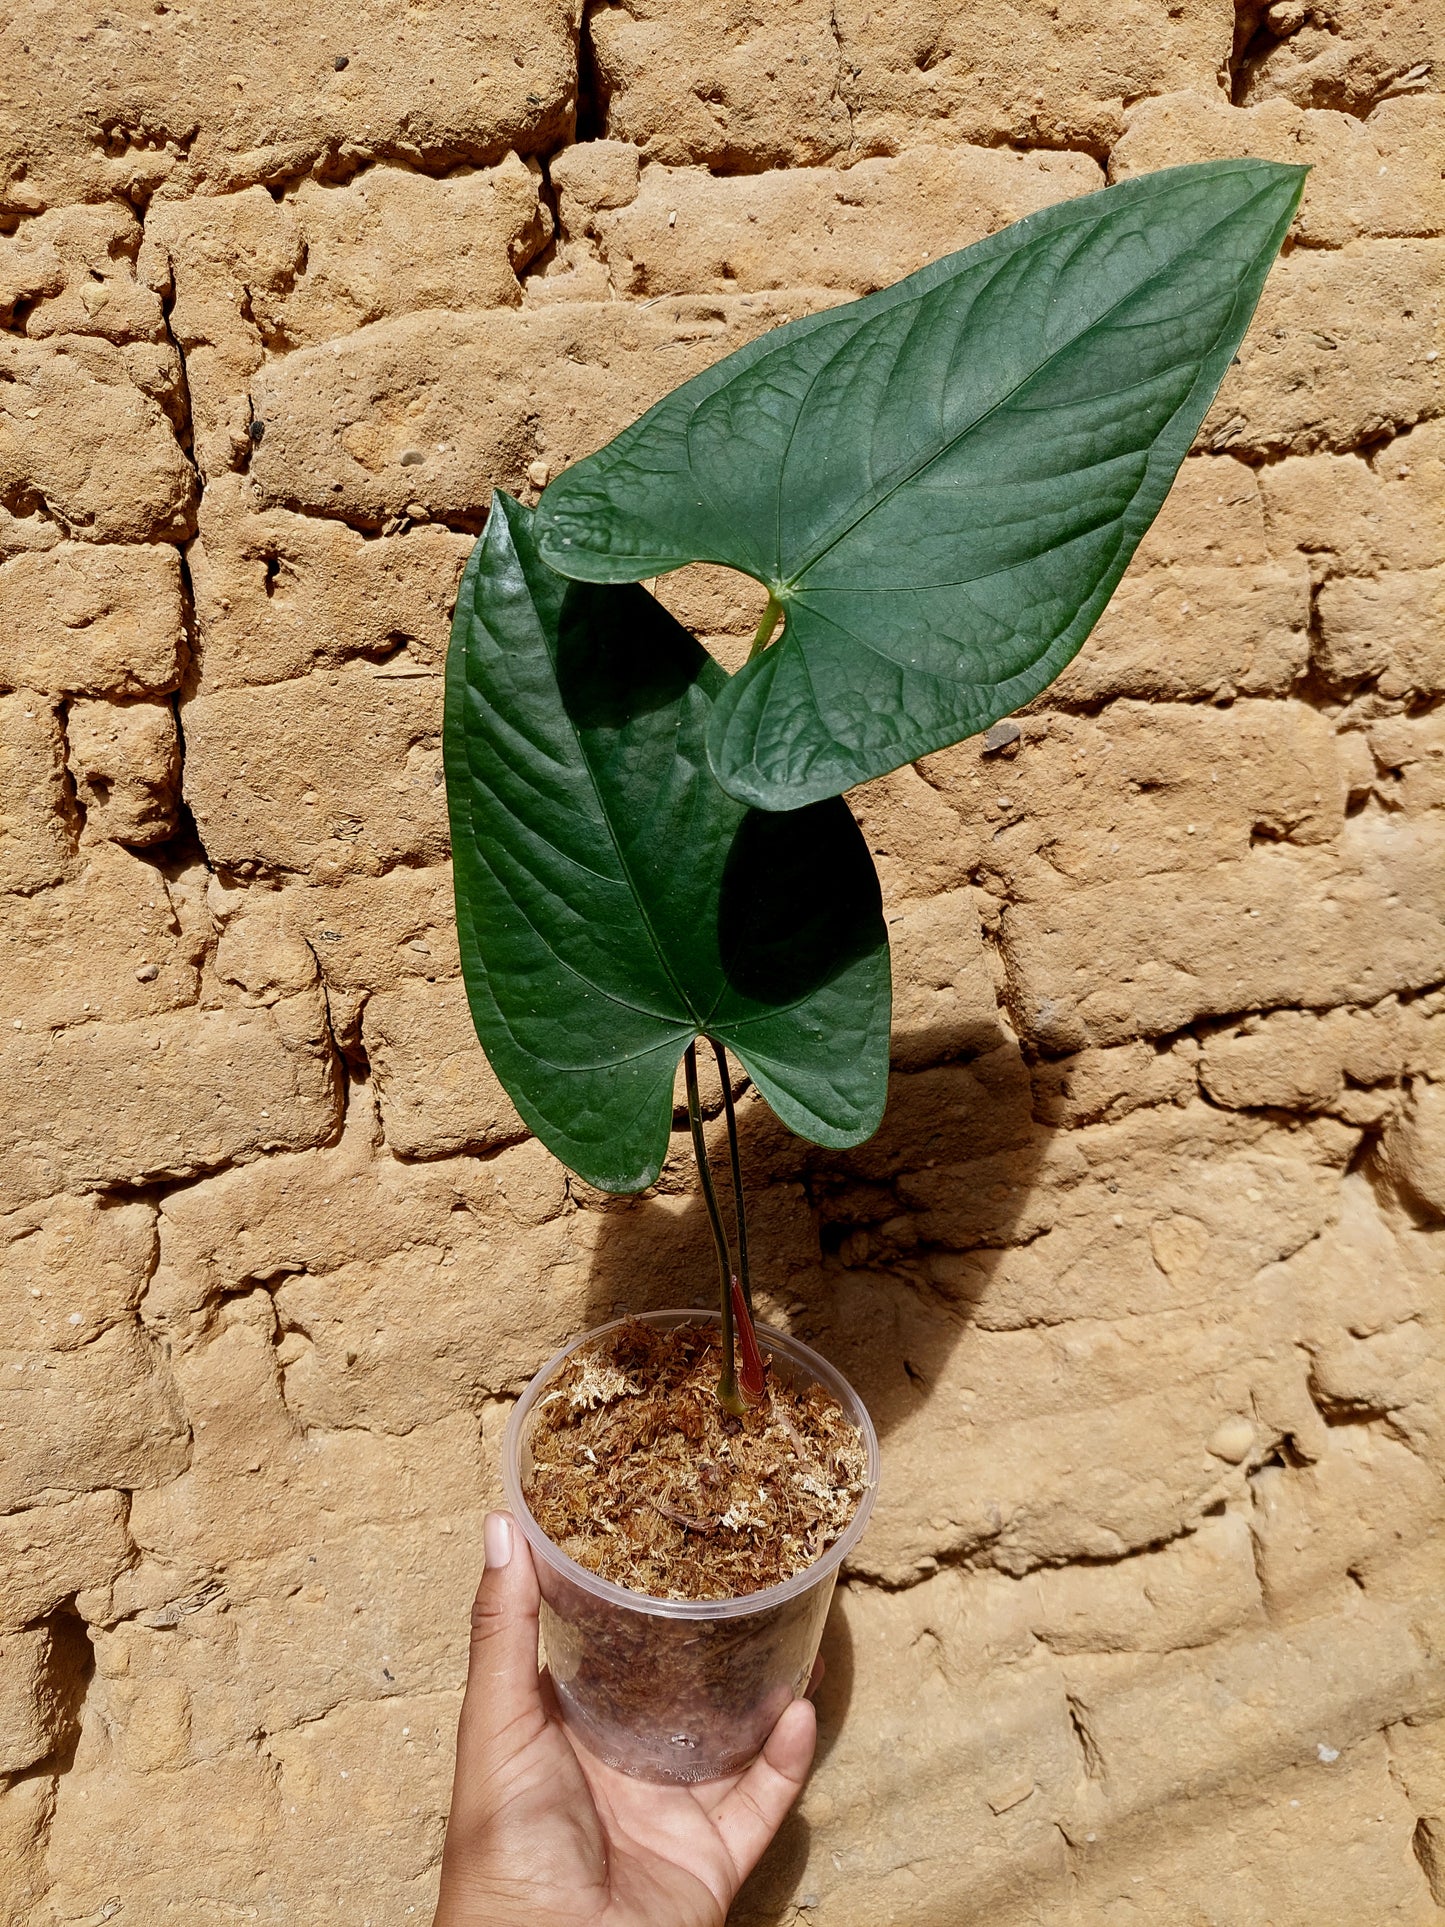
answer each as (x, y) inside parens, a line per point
(1143, 1276)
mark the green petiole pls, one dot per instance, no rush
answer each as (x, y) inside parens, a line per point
(766, 627)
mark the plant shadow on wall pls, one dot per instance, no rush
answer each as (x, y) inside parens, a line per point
(853, 1255)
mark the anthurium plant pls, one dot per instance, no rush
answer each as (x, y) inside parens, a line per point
(939, 486)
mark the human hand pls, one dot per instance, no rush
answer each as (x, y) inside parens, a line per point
(543, 1835)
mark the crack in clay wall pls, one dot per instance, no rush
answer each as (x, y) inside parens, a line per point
(1141, 1277)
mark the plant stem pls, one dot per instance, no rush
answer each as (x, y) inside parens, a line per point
(727, 1386)
(753, 1372)
(739, 1209)
(766, 627)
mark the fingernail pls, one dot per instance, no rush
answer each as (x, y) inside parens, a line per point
(497, 1540)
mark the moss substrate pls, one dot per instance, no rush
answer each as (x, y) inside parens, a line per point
(640, 1475)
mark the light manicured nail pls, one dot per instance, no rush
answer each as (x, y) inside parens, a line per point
(497, 1540)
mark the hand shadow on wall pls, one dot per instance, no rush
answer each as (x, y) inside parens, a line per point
(878, 1257)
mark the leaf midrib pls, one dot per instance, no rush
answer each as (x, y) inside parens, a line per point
(608, 996)
(765, 1014)
(474, 855)
(790, 587)
(658, 951)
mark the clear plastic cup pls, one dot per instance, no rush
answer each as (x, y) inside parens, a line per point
(680, 1689)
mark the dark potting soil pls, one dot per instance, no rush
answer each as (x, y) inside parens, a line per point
(641, 1476)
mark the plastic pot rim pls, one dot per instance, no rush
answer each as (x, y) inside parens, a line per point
(742, 1604)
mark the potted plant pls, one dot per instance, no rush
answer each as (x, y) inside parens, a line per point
(940, 486)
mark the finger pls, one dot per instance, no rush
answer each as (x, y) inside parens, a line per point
(502, 1708)
(756, 1807)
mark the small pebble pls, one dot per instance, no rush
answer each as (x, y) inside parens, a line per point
(1232, 1440)
(147, 973)
(1000, 736)
(411, 456)
(341, 63)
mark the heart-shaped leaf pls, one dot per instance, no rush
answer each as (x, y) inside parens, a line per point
(614, 904)
(940, 484)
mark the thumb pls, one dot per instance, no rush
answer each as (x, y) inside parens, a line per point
(503, 1708)
(501, 1713)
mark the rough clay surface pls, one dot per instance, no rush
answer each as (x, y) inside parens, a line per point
(1143, 1275)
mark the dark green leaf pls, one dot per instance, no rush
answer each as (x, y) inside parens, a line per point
(943, 483)
(613, 903)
